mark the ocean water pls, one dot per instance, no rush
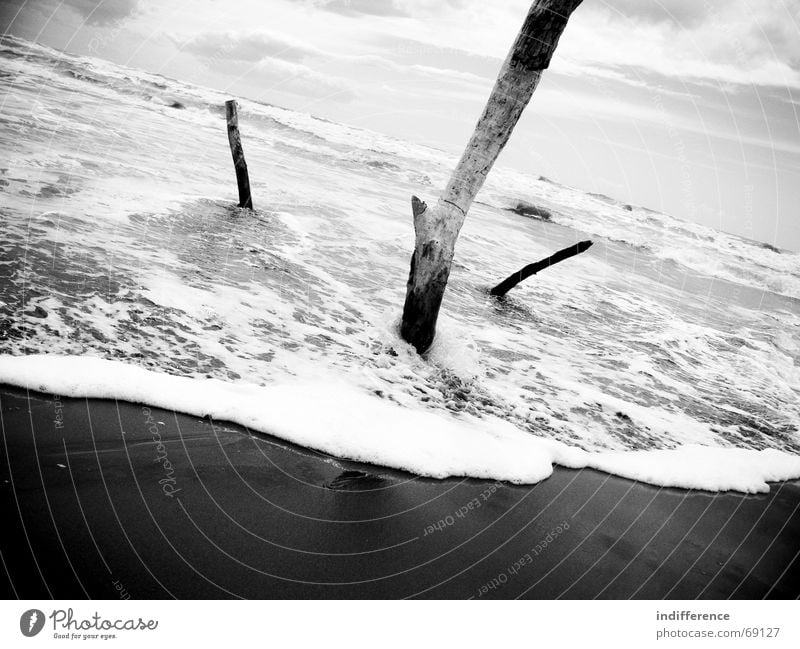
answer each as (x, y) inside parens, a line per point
(121, 240)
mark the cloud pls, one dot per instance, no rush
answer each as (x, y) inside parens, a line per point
(266, 60)
(364, 7)
(384, 8)
(253, 46)
(679, 13)
(103, 12)
(741, 42)
(97, 13)
(449, 74)
(298, 79)
(413, 52)
(717, 34)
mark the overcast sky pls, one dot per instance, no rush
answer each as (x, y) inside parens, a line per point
(690, 107)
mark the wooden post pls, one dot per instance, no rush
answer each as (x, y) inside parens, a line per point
(531, 269)
(437, 228)
(242, 178)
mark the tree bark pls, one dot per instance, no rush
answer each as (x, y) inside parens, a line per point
(235, 140)
(437, 228)
(531, 269)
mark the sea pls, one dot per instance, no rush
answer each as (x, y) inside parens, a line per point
(121, 240)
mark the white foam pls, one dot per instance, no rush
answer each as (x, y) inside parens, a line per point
(346, 422)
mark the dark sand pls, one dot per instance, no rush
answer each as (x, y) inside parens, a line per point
(255, 517)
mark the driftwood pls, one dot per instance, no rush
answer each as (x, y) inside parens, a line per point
(531, 269)
(235, 140)
(524, 208)
(437, 227)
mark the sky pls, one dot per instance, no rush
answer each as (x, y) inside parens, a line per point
(689, 107)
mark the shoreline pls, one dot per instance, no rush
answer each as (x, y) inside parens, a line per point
(105, 497)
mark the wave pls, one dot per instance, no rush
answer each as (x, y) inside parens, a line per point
(347, 423)
(123, 243)
(699, 248)
(712, 253)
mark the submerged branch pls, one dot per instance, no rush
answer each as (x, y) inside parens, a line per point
(531, 269)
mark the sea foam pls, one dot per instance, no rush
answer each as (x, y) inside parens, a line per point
(347, 422)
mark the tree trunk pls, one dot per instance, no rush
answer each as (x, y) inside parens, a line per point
(235, 140)
(437, 228)
(531, 269)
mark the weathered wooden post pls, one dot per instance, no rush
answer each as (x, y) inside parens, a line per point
(235, 140)
(437, 228)
(531, 269)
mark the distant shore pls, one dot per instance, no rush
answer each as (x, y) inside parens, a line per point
(108, 499)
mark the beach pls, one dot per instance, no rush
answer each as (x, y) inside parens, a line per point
(108, 499)
(206, 401)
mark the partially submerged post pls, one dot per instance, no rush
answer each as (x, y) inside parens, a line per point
(531, 269)
(437, 228)
(235, 140)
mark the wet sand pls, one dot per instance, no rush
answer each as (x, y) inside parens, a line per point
(107, 499)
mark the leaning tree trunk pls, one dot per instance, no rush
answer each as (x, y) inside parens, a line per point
(437, 227)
